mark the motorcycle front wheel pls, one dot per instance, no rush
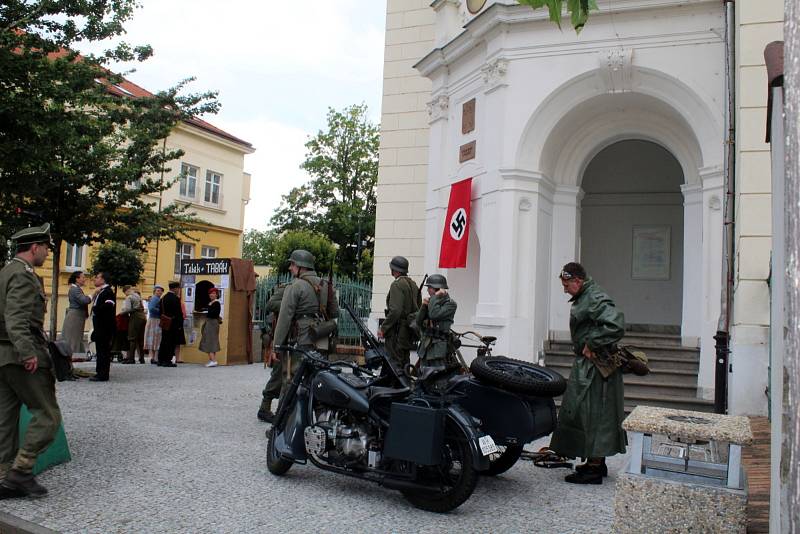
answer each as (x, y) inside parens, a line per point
(276, 465)
(456, 475)
(504, 460)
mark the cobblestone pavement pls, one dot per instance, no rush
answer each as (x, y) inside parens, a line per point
(180, 450)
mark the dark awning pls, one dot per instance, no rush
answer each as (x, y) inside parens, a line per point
(773, 57)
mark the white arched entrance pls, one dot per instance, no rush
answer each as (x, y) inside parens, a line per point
(581, 119)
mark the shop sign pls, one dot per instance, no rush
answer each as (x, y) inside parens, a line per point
(205, 266)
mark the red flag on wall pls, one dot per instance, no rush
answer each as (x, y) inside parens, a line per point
(455, 237)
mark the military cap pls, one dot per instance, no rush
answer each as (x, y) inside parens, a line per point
(436, 281)
(302, 258)
(399, 264)
(34, 234)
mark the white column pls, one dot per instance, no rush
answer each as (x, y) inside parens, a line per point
(712, 277)
(565, 247)
(691, 319)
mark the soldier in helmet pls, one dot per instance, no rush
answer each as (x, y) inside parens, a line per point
(26, 374)
(306, 303)
(434, 320)
(275, 383)
(402, 302)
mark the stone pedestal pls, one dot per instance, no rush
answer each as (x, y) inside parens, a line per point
(684, 473)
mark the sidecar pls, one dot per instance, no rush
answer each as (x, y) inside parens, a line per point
(512, 418)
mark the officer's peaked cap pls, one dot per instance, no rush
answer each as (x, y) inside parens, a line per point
(34, 234)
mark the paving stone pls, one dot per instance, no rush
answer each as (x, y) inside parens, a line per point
(165, 450)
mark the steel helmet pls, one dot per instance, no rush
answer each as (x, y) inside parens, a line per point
(302, 258)
(436, 281)
(399, 264)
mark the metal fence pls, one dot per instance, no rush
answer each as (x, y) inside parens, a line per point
(356, 294)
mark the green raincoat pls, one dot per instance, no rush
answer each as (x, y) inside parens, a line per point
(592, 409)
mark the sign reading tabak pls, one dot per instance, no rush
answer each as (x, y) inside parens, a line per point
(205, 266)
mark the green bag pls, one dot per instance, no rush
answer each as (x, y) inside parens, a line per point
(56, 453)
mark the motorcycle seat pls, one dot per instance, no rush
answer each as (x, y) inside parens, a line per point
(377, 392)
(488, 339)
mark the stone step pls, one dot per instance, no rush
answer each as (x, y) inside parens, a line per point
(680, 377)
(636, 338)
(664, 401)
(672, 361)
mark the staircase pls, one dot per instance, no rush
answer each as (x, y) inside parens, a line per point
(672, 382)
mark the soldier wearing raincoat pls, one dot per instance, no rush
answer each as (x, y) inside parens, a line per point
(592, 409)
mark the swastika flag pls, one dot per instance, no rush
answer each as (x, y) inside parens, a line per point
(455, 237)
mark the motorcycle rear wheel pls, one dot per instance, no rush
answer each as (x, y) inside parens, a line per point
(456, 473)
(276, 465)
(518, 376)
(504, 460)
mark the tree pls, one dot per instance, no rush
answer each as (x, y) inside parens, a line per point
(279, 249)
(124, 265)
(76, 148)
(578, 10)
(256, 245)
(339, 201)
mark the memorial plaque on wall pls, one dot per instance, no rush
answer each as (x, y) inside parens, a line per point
(466, 152)
(468, 116)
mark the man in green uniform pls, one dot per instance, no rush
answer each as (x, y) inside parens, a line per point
(592, 409)
(401, 302)
(307, 302)
(26, 374)
(434, 320)
(273, 388)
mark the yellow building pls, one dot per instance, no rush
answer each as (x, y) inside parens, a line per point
(215, 187)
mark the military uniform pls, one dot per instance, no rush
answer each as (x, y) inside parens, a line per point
(434, 321)
(301, 309)
(273, 388)
(402, 301)
(592, 409)
(22, 308)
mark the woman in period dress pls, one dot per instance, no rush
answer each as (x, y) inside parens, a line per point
(209, 343)
(152, 331)
(134, 309)
(77, 313)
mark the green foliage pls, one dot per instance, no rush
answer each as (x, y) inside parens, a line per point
(578, 10)
(78, 155)
(123, 264)
(279, 247)
(256, 245)
(75, 150)
(339, 201)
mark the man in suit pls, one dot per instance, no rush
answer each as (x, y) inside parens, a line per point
(170, 307)
(104, 309)
(26, 374)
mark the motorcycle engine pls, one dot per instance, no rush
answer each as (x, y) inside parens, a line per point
(348, 437)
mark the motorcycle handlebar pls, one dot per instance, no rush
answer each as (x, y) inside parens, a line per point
(311, 355)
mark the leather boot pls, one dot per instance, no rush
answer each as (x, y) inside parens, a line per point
(265, 411)
(588, 467)
(23, 483)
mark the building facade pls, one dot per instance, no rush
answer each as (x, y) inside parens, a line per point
(213, 184)
(605, 147)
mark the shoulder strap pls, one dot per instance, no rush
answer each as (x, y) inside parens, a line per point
(318, 293)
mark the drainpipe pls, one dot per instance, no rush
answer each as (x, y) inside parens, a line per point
(722, 338)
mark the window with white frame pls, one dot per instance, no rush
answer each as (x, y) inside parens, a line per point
(73, 258)
(188, 181)
(213, 185)
(208, 252)
(183, 251)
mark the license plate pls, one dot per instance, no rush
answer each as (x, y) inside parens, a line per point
(487, 445)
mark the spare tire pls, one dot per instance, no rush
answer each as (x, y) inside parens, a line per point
(518, 376)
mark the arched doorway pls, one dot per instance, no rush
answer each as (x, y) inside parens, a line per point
(632, 230)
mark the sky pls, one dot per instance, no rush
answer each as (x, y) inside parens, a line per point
(278, 66)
